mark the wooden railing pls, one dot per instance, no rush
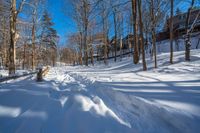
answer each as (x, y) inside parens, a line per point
(3, 79)
(40, 74)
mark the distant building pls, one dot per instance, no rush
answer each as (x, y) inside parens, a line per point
(126, 42)
(179, 22)
(97, 41)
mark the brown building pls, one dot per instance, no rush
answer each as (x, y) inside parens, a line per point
(179, 22)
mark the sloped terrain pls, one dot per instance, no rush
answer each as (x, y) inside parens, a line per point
(118, 98)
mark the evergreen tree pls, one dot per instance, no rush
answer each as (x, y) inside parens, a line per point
(49, 34)
(49, 38)
(178, 11)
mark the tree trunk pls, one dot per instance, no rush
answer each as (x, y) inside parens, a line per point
(115, 39)
(187, 39)
(153, 33)
(120, 47)
(105, 52)
(97, 53)
(13, 39)
(81, 48)
(91, 55)
(24, 56)
(146, 41)
(129, 46)
(134, 13)
(141, 36)
(171, 32)
(33, 45)
(85, 33)
(105, 40)
(85, 48)
(198, 44)
(4, 57)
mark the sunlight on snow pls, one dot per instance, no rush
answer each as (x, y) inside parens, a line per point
(144, 90)
(35, 114)
(97, 106)
(180, 105)
(9, 111)
(187, 84)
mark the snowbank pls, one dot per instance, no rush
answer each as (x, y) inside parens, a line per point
(118, 98)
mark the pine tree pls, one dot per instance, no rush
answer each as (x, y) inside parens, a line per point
(178, 11)
(49, 37)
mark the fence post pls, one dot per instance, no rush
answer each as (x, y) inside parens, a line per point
(39, 75)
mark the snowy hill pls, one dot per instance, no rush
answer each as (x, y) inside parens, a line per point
(179, 44)
(118, 98)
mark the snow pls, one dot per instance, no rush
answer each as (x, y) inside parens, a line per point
(115, 98)
(9, 111)
(179, 44)
(4, 73)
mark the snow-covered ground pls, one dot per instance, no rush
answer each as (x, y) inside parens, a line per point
(118, 98)
(179, 44)
(4, 73)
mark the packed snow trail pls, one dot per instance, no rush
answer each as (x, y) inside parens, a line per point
(60, 104)
(118, 98)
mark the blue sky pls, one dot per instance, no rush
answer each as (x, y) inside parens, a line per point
(62, 23)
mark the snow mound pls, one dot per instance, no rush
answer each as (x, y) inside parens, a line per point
(118, 98)
(96, 107)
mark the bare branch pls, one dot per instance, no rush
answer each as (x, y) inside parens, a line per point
(21, 6)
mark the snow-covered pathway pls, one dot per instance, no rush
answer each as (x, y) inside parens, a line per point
(59, 104)
(114, 99)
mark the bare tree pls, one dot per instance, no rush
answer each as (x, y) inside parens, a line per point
(5, 38)
(187, 39)
(81, 14)
(104, 17)
(134, 13)
(115, 30)
(35, 5)
(153, 25)
(33, 38)
(141, 35)
(13, 34)
(171, 32)
(85, 6)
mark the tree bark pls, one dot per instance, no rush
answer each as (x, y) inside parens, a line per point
(24, 56)
(12, 54)
(33, 45)
(187, 39)
(4, 57)
(85, 33)
(13, 35)
(105, 37)
(141, 36)
(153, 33)
(134, 13)
(171, 32)
(81, 48)
(115, 39)
(91, 55)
